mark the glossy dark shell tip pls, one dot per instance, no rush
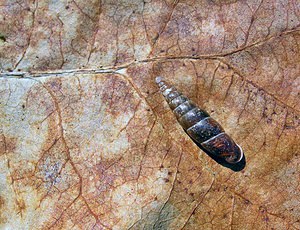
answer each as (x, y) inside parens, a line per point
(236, 158)
(222, 145)
(198, 124)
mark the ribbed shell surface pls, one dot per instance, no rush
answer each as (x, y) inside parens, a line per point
(200, 126)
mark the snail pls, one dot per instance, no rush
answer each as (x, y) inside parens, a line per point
(198, 124)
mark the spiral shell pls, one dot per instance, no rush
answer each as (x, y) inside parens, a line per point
(200, 126)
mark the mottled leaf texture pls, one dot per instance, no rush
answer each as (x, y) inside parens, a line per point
(88, 142)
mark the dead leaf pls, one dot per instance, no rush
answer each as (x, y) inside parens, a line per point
(88, 142)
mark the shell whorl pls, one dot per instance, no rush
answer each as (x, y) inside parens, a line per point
(199, 125)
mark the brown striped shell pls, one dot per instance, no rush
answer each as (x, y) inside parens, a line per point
(200, 126)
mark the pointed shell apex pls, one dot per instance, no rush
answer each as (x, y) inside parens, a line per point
(158, 79)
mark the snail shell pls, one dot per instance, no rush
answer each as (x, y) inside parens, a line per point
(200, 126)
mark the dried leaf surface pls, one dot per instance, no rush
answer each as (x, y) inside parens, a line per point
(88, 142)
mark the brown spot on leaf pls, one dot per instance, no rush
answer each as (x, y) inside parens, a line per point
(7, 144)
(3, 218)
(223, 2)
(20, 206)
